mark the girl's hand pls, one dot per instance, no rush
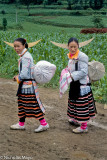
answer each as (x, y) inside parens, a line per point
(14, 78)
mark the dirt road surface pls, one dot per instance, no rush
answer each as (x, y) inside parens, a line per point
(58, 143)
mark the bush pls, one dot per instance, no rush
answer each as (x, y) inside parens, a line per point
(97, 22)
(90, 9)
(19, 26)
(94, 30)
(59, 2)
(103, 9)
(77, 7)
(86, 6)
(76, 13)
(4, 23)
(3, 12)
(1, 28)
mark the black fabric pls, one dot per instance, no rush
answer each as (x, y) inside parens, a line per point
(74, 90)
(22, 119)
(76, 66)
(19, 88)
(20, 66)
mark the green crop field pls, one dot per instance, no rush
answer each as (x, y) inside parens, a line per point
(96, 50)
(49, 25)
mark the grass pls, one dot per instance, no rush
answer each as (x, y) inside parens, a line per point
(51, 18)
(66, 21)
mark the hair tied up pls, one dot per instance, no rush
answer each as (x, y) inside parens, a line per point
(25, 40)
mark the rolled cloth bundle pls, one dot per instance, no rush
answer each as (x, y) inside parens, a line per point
(44, 71)
(96, 70)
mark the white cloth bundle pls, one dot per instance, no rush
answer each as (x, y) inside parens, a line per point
(44, 71)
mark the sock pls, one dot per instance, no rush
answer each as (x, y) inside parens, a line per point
(21, 123)
(84, 125)
(43, 122)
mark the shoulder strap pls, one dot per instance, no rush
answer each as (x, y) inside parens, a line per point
(20, 66)
(76, 66)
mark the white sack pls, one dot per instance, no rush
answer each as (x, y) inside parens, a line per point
(44, 71)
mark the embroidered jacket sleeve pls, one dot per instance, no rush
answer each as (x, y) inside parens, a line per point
(25, 71)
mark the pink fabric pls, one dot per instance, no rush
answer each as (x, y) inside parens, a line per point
(71, 55)
(65, 70)
(84, 125)
(65, 79)
(21, 123)
(43, 122)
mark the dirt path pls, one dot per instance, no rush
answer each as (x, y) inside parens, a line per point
(58, 143)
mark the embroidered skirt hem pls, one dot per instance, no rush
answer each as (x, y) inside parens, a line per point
(28, 107)
(82, 109)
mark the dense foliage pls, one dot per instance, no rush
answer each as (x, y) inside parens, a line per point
(72, 4)
(44, 50)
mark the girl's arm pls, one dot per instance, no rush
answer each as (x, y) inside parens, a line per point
(25, 71)
(83, 71)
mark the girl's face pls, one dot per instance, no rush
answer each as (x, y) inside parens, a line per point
(18, 47)
(73, 47)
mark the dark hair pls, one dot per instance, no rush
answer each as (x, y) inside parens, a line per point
(73, 39)
(23, 41)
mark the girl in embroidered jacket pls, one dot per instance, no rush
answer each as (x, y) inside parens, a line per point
(29, 104)
(81, 106)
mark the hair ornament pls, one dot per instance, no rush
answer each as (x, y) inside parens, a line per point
(63, 45)
(29, 44)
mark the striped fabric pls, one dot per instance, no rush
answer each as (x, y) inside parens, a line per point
(33, 90)
(64, 81)
(37, 96)
(28, 106)
(82, 109)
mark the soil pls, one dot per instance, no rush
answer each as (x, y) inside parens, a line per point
(57, 143)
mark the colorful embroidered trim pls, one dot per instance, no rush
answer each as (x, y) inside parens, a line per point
(75, 56)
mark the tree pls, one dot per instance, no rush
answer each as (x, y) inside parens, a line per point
(45, 2)
(81, 2)
(96, 4)
(101, 3)
(86, 4)
(4, 23)
(39, 1)
(11, 1)
(17, 5)
(91, 4)
(27, 3)
(69, 4)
